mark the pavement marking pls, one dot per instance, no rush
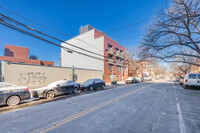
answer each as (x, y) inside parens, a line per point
(180, 116)
(75, 116)
(181, 122)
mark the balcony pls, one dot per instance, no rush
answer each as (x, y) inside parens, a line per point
(110, 51)
(110, 61)
(120, 55)
(119, 63)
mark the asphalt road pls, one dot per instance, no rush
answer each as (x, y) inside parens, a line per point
(151, 107)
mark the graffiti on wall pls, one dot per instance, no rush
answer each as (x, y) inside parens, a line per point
(32, 78)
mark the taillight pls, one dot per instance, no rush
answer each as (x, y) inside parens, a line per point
(26, 89)
(186, 80)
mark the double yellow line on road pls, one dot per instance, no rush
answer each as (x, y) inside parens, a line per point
(75, 116)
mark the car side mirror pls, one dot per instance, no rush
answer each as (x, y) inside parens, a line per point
(93, 81)
(58, 85)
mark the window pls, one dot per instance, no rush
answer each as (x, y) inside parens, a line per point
(110, 67)
(109, 56)
(117, 68)
(120, 52)
(8, 61)
(109, 47)
(49, 65)
(121, 69)
(117, 77)
(192, 76)
(70, 82)
(98, 80)
(21, 62)
(116, 50)
(116, 59)
(109, 77)
(198, 76)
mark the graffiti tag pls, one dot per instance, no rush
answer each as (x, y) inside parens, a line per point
(32, 78)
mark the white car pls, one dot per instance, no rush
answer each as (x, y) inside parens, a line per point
(131, 80)
(138, 80)
(191, 80)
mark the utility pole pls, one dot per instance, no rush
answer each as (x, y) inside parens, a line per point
(73, 72)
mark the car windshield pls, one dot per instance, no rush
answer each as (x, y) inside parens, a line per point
(62, 82)
(89, 81)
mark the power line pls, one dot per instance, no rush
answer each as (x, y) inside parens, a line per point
(130, 25)
(123, 27)
(29, 28)
(40, 38)
(47, 27)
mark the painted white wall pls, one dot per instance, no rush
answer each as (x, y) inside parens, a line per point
(81, 61)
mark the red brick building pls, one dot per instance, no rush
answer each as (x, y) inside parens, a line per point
(114, 64)
(16, 54)
(110, 62)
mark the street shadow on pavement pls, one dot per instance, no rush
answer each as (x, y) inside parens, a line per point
(37, 101)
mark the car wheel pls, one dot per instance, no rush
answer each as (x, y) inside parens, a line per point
(75, 91)
(13, 100)
(102, 86)
(50, 95)
(91, 88)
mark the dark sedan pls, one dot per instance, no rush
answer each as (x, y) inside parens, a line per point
(91, 84)
(56, 88)
(11, 94)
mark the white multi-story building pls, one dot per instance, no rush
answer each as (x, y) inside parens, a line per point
(110, 54)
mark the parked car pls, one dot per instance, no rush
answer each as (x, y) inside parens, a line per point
(181, 81)
(191, 80)
(178, 79)
(147, 78)
(12, 94)
(92, 84)
(131, 80)
(56, 88)
(142, 79)
(138, 80)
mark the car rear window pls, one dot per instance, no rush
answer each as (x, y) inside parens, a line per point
(198, 76)
(192, 76)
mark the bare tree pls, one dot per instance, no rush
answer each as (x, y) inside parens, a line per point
(174, 35)
(133, 61)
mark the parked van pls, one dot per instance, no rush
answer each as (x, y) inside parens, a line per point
(192, 80)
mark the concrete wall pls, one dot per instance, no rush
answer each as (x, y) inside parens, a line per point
(81, 61)
(39, 76)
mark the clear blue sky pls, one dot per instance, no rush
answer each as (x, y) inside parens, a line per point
(68, 16)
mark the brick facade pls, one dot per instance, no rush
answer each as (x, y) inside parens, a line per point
(16, 54)
(114, 74)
